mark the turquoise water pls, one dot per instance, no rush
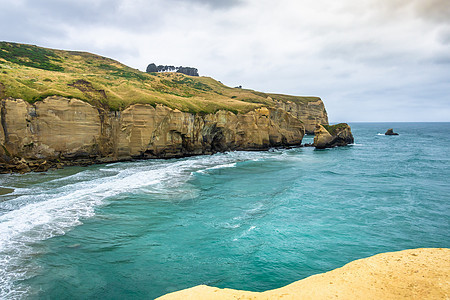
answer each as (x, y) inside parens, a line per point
(243, 220)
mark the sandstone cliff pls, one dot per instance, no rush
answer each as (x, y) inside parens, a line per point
(409, 274)
(60, 130)
(63, 107)
(311, 113)
(329, 136)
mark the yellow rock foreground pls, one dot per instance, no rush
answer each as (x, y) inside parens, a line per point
(409, 274)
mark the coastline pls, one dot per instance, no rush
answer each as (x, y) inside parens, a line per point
(251, 221)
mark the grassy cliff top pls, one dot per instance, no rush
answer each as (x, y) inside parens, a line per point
(33, 73)
(333, 129)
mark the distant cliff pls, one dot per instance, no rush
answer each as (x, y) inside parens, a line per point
(64, 107)
(152, 68)
(59, 131)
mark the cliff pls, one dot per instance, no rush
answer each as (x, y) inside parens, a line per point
(64, 107)
(58, 130)
(310, 112)
(408, 274)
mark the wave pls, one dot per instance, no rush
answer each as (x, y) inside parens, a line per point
(231, 165)
(245, 233)
(39, 217)
(47, 209)
(204, 171)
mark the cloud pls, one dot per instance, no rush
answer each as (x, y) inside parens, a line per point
(430, 10)
(360, 57)
(219, 4)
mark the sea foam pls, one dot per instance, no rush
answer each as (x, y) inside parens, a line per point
(54, 207)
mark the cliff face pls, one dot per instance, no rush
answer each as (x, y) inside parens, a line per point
(311, 113)
(119, 113)
(62, 130)
(329, 136)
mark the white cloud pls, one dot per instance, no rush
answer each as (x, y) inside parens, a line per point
(384, 60)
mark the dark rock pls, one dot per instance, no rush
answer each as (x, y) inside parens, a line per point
(151, 68)
(188, 71)
(40, 166)
(162, 68)
(390, 131)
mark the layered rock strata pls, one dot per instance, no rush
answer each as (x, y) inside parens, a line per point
(310, 113)
(329, 136)
(408, 274)
(59, 131)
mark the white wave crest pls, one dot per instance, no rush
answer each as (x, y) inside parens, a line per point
(54, 207)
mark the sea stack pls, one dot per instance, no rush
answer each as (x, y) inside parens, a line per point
(390, 131)
(329, 136)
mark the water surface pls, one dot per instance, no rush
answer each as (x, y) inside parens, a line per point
(243, 220)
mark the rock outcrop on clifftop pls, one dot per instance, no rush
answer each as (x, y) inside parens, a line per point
(408, 274)
(65, 107)
(151, 68)
(329, 136)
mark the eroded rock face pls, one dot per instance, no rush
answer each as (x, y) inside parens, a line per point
(164, 132)
(311, 113)
(52, 128)
(69, 131)
(329, 136)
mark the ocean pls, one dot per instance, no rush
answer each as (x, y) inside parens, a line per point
(241, 220)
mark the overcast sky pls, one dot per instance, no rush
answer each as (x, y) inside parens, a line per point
(369, 60)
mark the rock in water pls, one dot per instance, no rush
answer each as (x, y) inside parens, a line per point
(329, 136)
(390, 131)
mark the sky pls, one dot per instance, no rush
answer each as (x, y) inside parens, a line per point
(369, 60)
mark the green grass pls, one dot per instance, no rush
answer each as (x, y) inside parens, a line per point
(332, 129)
(33, 73)
(31, 56)
(288, 98)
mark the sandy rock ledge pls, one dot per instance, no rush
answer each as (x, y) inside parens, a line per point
(409, 274)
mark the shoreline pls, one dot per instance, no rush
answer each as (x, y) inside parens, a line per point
(23, 166)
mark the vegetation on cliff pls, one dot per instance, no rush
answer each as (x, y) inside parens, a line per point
(33, 73)
(334, 129)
